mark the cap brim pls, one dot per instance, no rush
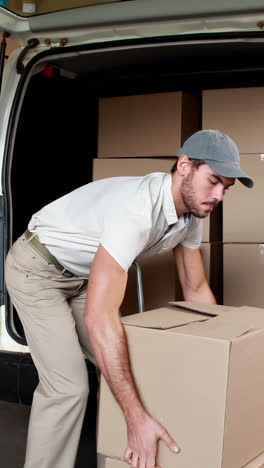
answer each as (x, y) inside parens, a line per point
(227, 170)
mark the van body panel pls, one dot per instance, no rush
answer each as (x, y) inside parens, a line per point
(134, 19)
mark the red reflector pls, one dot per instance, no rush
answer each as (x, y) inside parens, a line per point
(49, 72)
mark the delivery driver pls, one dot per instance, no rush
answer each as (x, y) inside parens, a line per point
(96, 232)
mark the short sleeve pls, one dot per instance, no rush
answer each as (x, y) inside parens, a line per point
(193, 238)
(125, 236)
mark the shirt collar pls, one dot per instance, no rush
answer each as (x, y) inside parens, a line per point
(168, 203)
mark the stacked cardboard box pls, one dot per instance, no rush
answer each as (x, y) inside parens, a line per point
(138, 135)
(239, 113)
(206, 386)
(146, 125)
(36, 7)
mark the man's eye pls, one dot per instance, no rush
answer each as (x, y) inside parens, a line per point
(213, 182)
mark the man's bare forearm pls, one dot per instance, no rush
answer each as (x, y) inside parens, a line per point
(106, 287)
(202, 294)
(111, 352)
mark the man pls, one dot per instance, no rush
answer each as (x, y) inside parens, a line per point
(96, 232)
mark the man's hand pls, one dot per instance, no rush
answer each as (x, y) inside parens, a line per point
(143, 437)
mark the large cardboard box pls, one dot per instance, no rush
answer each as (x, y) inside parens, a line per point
(146, 124)
(107, 462)
(258, 462)
(239, 113)
(160, 283)
(46, 6)
(117, 167)
(242, 207)
(199, 370)
(243, 274)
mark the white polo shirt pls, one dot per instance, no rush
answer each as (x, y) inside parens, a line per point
(127, 215)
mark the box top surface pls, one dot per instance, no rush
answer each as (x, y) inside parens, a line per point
(175, 315)
(206, 320)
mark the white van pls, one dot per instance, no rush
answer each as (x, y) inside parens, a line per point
(68, 60)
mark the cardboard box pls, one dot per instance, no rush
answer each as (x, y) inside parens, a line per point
(160, 279)
(107, 462)
(256, 463)
(242, 207)
(117, 167)
(243, 274)
(199, 370)
(160, 283)
(146, 124)
(237, 112)
(46, 6)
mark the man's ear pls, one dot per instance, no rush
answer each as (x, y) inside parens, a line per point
(183, 165)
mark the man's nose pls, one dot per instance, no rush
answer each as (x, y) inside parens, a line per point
(219, 193)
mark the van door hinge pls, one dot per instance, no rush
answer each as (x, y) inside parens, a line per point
(30, 45)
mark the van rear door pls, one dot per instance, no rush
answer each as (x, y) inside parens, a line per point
(112, 23)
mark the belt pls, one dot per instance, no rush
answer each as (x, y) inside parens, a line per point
(44, 252)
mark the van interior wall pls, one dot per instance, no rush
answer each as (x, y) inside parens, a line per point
(55, 144)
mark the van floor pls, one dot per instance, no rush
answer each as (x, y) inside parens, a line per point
(14, 419)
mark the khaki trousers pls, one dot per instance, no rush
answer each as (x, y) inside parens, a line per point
(51, 308)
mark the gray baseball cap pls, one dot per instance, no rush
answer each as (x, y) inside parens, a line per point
(217, 150)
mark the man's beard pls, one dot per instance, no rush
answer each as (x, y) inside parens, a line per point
(189, 197)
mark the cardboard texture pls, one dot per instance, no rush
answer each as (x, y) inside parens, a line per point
(242, 208)
(229, 109)
(160, 279)
(160, 283)
(258, 462)
(147, 124)
(243, 274)
(116, 167)
(106, 462)
(202, 377)
(46, 6)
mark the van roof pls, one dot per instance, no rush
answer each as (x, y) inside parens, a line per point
(116, 14)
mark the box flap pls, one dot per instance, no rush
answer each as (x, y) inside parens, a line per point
(163, 318)
(228, 326)
(256, 463)
(209, 309)
(255, 312)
